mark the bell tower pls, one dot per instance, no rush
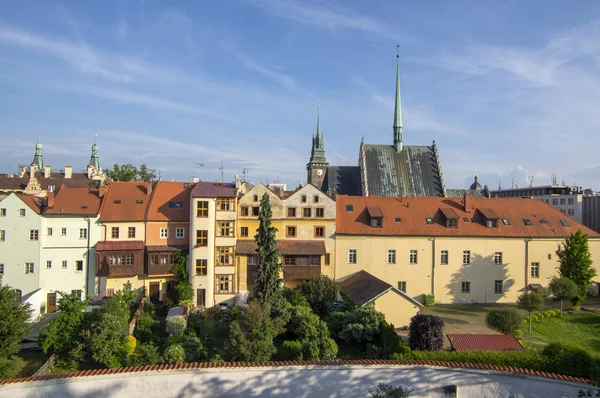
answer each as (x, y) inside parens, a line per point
(317, 166)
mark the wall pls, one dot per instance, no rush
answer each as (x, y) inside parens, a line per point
(153, 233)
(106, 230)
(205, 252)
(397, 309)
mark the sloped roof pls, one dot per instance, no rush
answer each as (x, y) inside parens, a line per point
(77, 180)
(475, 193)
(170, 201)
(292, 247)
(128, 194)
(342, 180)
(411, 172)
(204, 189)
(362, 288)
(413, 212)
(484, 342)
(119, 245)
(33, 202)
(75, 201)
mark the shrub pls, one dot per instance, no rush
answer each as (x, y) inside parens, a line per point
(429, 299)
(194, 351)
(176, 325)
(291, 350)
(313, 334)
(295, 297)
(7, 368)
(131, 343)
(387, 391)
(390, 343)
(320, 292)
(195, 323)
(566, 357)
(174, 354)
(504, 320)
(426, 332)
(148, 308)
(145, 354)
(359, 326)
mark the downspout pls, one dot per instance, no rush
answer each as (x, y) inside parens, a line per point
(87, 257)
(527, 262)
(432, 239)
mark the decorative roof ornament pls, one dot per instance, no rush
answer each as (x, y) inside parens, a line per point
(398, 107)
(38, 160)
(94, 159)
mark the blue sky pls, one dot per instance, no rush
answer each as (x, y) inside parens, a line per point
(510, 89)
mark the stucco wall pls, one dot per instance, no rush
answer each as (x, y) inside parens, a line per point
(153, 233)
(106, 231)
(204, 252)
(397, 309)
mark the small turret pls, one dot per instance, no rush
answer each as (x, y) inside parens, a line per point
(38, 160)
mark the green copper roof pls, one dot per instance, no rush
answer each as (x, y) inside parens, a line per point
(37, 157)
(317, 154)
(94, 160)
(398, 106)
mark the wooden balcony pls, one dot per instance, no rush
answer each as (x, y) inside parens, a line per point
(116, 258)
(300, 272)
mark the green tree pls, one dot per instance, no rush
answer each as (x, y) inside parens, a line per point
(183, 289)
(145, 354)
(312, 333)
(504, 320)
(145, 174)
(268, 270)
(127, 295)
(563, 289)
(128, 172)
(359, 326)
(320, 292)
(13, 321)
(426, 333)
(388, 391)
(63, 335)
(174, 354)
(576, 263)
(546, 294)
(176, 326)
(530, 301)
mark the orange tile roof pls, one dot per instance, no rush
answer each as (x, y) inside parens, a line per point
(127, 194)
(406, 216)
(170, 201)
(484, 342)
(75, 201)
(34, 203)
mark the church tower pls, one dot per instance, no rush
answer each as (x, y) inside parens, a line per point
(317, 166)
(38, 160)
(94, 170)
(398, 110)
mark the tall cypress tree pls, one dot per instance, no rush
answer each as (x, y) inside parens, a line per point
(268, 270)
(576, 263)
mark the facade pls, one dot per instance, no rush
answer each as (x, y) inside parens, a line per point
(382, 170)
(305, 222)
(167, 231)
(461, 251)
(591, 211)
(69, 233)
(214, 275)
(564, 198)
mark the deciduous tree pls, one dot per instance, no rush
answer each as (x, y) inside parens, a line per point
(128, 172)
(530, 301)
(426, 333)
(320, 291)
(576, 263)
(13, 321)
(563, 289)
(183, 289)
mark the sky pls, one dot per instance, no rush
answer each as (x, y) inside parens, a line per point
(507, 89)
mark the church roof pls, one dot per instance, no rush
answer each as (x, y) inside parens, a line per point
(411, 172)
(459, 193)
(77, 180)
(342, 180)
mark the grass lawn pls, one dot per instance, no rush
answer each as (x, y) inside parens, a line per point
(581, 328)
(26, 363)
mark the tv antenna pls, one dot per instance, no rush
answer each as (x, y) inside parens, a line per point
(222, 169)
(530, 181)
(245, 171)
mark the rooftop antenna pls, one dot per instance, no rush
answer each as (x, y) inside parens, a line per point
(530, 181)
(499, 186)
(159, 178)
(245, 171)
(222, 169)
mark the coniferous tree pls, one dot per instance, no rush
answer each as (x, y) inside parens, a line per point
(576, 263)
(268, 270)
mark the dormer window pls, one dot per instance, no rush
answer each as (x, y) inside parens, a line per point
(491, 218)
(186, 185)
(377, 222)
(175, 205)
(117, 201)
(564, 223)
(492, 223)
(466, 219)
(543, 221)
(398, 219)
(451, 217)
(139, 201)
(452, 223)
(349, 208)
(474, 220)
(527, 222)
(376, 217)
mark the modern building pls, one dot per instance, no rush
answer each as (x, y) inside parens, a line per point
(305, 223)
(383, 170)
(590, 204)
(462, 251)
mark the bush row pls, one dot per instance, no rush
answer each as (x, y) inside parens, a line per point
(543, 315)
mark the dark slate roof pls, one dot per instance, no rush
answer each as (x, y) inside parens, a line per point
(342, 180)
(459, 193)
(362, 288)
(213, 190)
(411, 172)
(77, 180)
(118, 245)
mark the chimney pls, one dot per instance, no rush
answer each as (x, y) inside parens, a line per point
(68, 172)
(47, 171)
(195, 179)
(50, 199)
(467, 203)
(148, 187)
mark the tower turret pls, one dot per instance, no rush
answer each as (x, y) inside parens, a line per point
(38, 160)
(317, 165)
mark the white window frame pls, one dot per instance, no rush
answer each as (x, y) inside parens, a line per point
(34, 234)
(352, 256)
(22, 212)
(76, 265)
(402, 286)
(444, 255)
(2, 235)
(413, 257)
(48, 231)
(465, 287)
(64, 264)
(501, 290)
(180, 233)
(498, 258)
(83, 233)
(252, 259)
(1, 269)
(63, 231)
(391, 256)
(48, 264)
(3, 212)
(466, 257)
(535, 269)
(164, 233)
(29, 268)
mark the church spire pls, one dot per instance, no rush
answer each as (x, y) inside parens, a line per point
(319, 121)
(38, 160)
(317, 154)
(398, 109)
(94, 160)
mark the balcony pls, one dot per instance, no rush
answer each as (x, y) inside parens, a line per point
(300, 272)
(116, 258)
(161, 259)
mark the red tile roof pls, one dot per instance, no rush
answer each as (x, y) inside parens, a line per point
(170, 201)
(412, 212)
(128, 194)
(297, 247)
(75, 201)
(213, 190)
(114, 245)
(484, 342)
(34, 203)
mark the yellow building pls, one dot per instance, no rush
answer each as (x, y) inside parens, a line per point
(305, 222)
(460, 250)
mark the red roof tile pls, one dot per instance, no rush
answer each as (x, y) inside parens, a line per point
(34, 203)
(114, 245)
(413, 212)
(170, 201)
(213, 190)
(484, 342)
(125, 201)
(75, 201)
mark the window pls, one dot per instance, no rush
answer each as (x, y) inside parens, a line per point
(252, 259)
(289, 260)
(2, 235)
(554, 201)
(202, 208)
(319, 212)
(22, 212)
(535, 270)
(563, 201)
(201, 237)
(110, 292)
(564, 223)
(175, 205)
(562, 211)
(376, 222)
(505, 221)
(82, 233)
(29, 268)
(402, 286)
(164, 233)
(225, 228)
(571, 201)
(290, 231)
(303, 199)
(154, 259)
(319, 232)
(33, 234)
(498, 287)
(327, 259)
(391, 257)
(79, 265)
(48, 264)
(115, 232)
(452, 223)
(542, 221)
(352, 256)
(224, 255)
(444, 257)
(429, 221)
(527, 222)
(473, 220)
(492, 223)
(1, 269)
(413, 257)
(139, 202)
(314, 260)
(63, 231)
(244, 211)
(244, 231)
(255, 211)
(225, 204)
(117, 201)
(224, 284)
(131, 232)
(570, 212)
(306, 212)
(398, 219)
(201, 266)
(466, 219)
(64, 264)
(2, 212)
(48, 231)
(349, 208)
(498, 258)
(77, 293)
(465, 287)
(466, 257)
(255, 198)
(291, 212)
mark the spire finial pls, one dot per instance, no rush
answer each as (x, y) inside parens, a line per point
(39, 138)
(95, 137)
(398, 106)
(318, 120)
